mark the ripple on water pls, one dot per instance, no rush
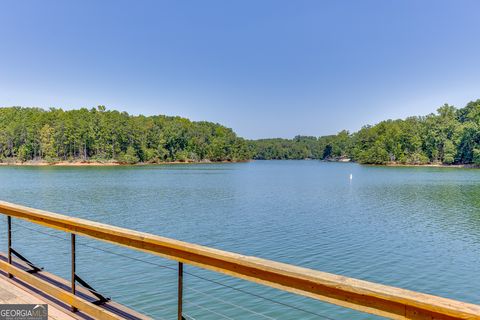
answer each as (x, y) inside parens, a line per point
(417, 228)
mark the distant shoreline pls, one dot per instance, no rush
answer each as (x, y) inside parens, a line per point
(88, 163)
(432, 165)
(396, 164)
(103, 164)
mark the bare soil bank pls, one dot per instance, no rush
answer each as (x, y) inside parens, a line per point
(397, 164)
(101, 163)
(88, 163)
(434, 165)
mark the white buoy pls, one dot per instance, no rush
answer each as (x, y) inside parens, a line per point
(351, 176)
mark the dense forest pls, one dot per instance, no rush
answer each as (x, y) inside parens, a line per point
(101, 135)
(302, 147)
(451, 136)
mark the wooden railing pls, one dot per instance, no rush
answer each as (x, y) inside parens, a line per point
(387, 301)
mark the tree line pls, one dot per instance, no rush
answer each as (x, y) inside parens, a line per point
(450, 136)
(98, 134)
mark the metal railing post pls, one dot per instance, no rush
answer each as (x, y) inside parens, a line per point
(9, 222)
(72, 237)
(180, 291)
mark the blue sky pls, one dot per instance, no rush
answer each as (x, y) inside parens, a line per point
(263, 68)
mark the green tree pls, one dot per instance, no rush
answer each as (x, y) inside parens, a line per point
(476, 156)
(47, 142)
(449, 152)
(23, 154)
(129, 156)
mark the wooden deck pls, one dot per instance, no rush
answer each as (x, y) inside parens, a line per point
(13, 294)
(18, 287)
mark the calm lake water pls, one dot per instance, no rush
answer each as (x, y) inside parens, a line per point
(415, 228)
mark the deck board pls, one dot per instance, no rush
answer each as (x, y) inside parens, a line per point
(11, 294)
(112, 306)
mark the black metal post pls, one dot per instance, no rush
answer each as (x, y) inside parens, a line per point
(180, 291)
(9, 222)
(73, 267)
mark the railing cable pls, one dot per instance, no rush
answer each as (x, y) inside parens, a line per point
(188, 317)
(186, 272)
(100, 249)
(90, 289)
(210, 310)
(259, 296)
(228, 303)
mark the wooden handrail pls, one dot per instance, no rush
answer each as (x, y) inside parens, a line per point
(387, 301)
